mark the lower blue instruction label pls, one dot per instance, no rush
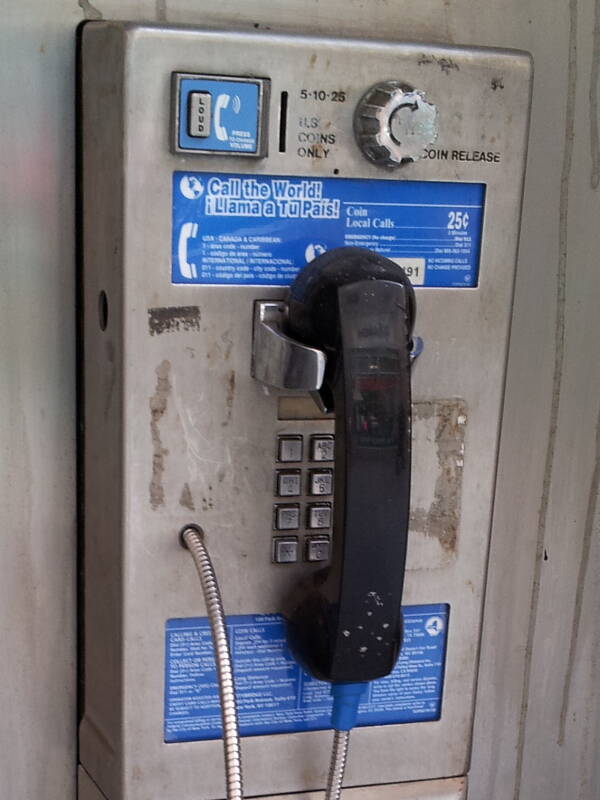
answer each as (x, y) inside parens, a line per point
(260, 230)
(275, 695)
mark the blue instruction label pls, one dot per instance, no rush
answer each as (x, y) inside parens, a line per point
(231, 115)
(260, 230)
(276, 696)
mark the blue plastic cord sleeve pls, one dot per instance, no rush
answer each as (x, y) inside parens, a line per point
(346, 698)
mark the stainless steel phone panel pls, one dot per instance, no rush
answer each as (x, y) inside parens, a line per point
(178, 431)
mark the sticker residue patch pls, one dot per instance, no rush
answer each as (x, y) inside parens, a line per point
(275, 695)
(168, 319)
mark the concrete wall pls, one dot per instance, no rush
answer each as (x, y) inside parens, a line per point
(537, 728)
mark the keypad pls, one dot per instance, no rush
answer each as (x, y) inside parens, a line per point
(308, 482)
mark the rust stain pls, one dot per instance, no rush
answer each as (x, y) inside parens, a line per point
(186, 500)
(158, 406)
(228, 342)
(230, 394)
(442, 518)
(170, 319)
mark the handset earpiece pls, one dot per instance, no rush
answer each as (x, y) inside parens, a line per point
(359, 308)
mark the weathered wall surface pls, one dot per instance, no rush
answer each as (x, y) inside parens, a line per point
(537, 727)
(37, 398)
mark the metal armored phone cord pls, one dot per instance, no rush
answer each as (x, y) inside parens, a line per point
(346, 698)
(193, 538)
(337, 765)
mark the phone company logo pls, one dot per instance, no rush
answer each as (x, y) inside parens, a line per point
(191, 187)
(434, 626)
(313, 250)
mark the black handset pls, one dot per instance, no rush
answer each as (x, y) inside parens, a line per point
(359, 308)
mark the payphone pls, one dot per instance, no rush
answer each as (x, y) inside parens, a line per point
(217, 164)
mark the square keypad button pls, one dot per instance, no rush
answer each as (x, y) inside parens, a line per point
(322, 448)
(317, 548)
(289, 483)
(287, 518)
(289, 449)
(285, 550)
(320, 482)
(319, 515)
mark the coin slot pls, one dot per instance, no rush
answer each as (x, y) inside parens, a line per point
(283, 110)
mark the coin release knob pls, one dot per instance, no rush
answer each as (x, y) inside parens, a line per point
(394, 124)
